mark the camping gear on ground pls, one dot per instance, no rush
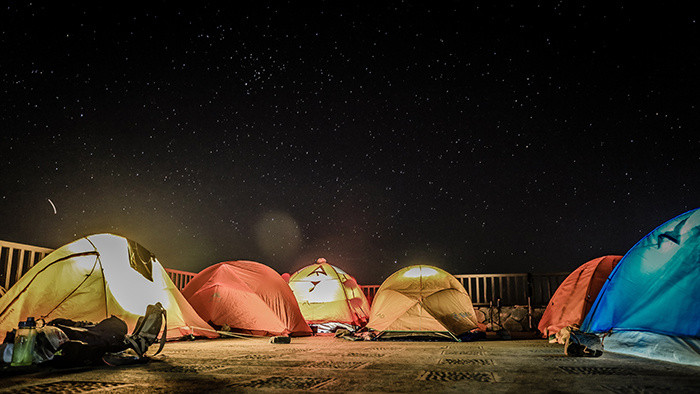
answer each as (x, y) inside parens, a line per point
(580, 344)
(422, 300)
(281, 339)
(575, 295)
(246, 297)
(95, 277)
(147, 329)
(329, 298)
(67, 343)
(24, 343)
(649, 305)
(48, 340)
(108, 342)
(88, 342)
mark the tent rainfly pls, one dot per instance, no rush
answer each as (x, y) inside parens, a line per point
(422, 300)
(247, 297)
(95, 277)
(328, 297)
(575, 295)
(649, 305)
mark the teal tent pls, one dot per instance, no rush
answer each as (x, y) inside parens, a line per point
(650, 304)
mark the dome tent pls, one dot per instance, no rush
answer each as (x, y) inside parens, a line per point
(575, 295)
(649, 305)
(421, 300)
(95, 277)
(328, 297)
(248, 297)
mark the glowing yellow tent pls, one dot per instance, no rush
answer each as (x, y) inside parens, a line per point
(328, 297)
(93, 278)
(422, 300)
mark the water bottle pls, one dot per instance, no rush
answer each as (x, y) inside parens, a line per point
(25, 337)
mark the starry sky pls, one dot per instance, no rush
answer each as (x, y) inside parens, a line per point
(480, 137)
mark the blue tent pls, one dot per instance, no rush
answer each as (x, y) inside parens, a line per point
(650, 304)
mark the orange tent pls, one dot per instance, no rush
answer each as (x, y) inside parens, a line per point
(95, 277)
(329, 296)
(422, 300)
(575, 295)
(248, 297)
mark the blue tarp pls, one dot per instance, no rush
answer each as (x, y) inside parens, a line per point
(656, 286)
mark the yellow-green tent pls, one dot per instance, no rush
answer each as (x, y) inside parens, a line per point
(328, 296)
(422, 300)
(93, 278)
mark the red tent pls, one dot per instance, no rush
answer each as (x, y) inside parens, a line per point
(575, 296)
(248, 297)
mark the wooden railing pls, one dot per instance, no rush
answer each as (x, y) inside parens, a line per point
(370, 291)
(180, 278)
(502, 289)
(511, 289)
(484, 289)
(544, 286)
(15, 260)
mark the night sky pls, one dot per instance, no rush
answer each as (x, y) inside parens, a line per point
(477, 137)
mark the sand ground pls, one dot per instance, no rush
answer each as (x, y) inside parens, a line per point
(327, 364)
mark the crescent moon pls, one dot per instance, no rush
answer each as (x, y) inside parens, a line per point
(52, 206)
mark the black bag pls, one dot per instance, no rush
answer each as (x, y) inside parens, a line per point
(147, 329)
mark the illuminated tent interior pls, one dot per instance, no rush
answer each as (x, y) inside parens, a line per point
(421, 300)
(329, 298)
(93, 278)
(649, 305)
(247, 297)
(575, 295)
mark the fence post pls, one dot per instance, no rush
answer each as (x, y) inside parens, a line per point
(18, 258)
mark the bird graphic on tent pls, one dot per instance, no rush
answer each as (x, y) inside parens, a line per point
(318, 271)
(314, 283)
(673, 235)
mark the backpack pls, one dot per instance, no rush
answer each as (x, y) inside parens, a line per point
(147, 329)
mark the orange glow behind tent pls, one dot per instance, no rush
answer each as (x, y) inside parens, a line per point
(575, 295)
(326, 294)
(248, 297)
(422, 300)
